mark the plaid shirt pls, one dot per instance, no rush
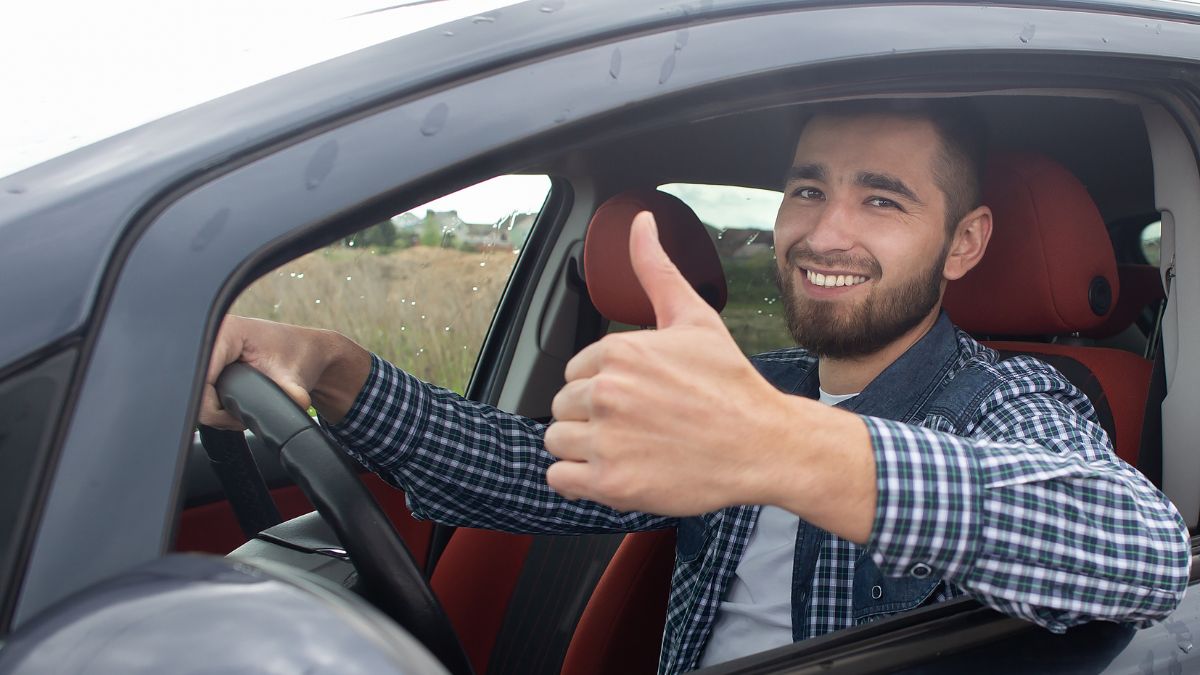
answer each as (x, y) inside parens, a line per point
(1020, 503)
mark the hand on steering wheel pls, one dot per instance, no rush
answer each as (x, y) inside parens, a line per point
(392, 580)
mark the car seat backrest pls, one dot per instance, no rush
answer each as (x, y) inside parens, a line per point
(608, 271)
(1050, 271)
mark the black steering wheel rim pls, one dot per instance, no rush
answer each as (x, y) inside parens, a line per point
(391, 578)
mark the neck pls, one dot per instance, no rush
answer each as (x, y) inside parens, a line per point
(850, 376)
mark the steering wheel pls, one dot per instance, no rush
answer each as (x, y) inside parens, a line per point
(329, 479)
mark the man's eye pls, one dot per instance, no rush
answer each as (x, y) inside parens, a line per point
(808, 193)
(883, 203)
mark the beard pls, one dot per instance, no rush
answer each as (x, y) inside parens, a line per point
(830, 330)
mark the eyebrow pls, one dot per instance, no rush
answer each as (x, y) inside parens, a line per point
(805, 172)
(882, 181)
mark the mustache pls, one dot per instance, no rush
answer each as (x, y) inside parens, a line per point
(801, 255)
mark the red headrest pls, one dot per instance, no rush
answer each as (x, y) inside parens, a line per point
(611, 283)
(1049, 268)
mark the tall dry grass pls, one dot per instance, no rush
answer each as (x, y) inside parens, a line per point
(425, 309)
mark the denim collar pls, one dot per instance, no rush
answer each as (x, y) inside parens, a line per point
(902, 390)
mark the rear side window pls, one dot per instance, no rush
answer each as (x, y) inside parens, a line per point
(418, 289)
(741, 223)
(1150, 241)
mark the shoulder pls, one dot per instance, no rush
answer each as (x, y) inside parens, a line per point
(1021, 390)
(1012, 375)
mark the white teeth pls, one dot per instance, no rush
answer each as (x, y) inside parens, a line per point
(833, 280)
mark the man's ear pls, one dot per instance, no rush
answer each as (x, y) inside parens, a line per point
(970, 240)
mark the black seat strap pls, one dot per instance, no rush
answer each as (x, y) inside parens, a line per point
(555, 585)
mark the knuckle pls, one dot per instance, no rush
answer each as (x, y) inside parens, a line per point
(607, 396)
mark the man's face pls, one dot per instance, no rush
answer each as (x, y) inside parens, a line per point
(860, 239)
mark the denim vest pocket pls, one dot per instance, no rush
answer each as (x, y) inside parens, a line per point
(690, 540)
(876, 594)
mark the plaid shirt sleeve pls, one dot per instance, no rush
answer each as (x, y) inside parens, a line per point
(1032, 513)
(464, 463)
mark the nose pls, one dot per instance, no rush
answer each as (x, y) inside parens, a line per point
(832, 229)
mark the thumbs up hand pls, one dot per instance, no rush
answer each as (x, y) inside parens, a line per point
(668, 421)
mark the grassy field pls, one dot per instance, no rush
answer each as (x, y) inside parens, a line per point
(423, 308)
(427, 309)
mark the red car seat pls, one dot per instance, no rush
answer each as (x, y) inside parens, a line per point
(1049, 273)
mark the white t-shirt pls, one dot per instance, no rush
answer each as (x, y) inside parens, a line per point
(756, 614)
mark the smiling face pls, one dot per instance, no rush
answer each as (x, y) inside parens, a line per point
(861, 238)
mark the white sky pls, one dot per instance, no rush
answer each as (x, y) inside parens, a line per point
(78, 71)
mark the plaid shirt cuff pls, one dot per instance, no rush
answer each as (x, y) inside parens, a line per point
(388, 415)
(927, 516)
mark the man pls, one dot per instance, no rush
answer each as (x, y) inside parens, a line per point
(868, 507)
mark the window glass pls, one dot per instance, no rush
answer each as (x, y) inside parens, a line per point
(741, 223)
(418, 289)
(1151, 238)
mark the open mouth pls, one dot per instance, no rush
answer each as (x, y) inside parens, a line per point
(833, 280)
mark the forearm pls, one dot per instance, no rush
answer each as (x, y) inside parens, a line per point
(465, 463)
(347, 366)
(1027, 527)
(831, 482)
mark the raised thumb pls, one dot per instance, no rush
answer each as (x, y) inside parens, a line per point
(672, 297)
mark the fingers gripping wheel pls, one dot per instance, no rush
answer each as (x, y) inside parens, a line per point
(391, 578)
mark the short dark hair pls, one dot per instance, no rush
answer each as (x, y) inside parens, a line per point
(959, 169)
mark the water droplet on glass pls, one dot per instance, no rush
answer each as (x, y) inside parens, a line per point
(403, 327)
(681, 39)
(483, 264)
(317, 301)
(351, 244)
(474, 288)
(293, 275)
(760, 311)
(1027, 33)
(1185, 646)
(435, 120)
(614, 64)
(1104, 40)
(668, 68)
(483, 18)
(321, 164)
(448, 33)
(422, 316)
(413, 303)
(16, 190)
(562, 116)
(551, 6)
(721, 234)
(348, 278)
(300, 276)
(750, 240)
(446, 329)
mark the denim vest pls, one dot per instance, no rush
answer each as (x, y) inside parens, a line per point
(921, 384)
